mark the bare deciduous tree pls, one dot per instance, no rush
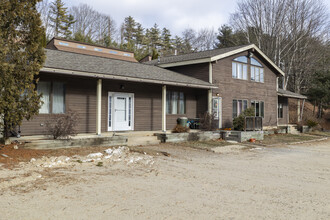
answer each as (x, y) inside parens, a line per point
(287, 31)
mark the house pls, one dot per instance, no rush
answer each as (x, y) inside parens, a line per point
(111, 91)
(244, 77)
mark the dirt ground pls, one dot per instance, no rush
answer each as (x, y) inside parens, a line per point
(171, 182)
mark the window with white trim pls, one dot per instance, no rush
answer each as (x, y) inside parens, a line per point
(239, 68)
(259, 108)
(239, 106)
(257, 71)
(53, 97)
(175, 102)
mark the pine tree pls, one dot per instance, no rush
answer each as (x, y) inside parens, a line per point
(129, 33)
(166, 42)
(21, 57)
(59, 18)
(68, 25)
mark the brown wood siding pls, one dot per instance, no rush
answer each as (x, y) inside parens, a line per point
(81, 97)
(199, 71)
(230, 88)
(284, 101)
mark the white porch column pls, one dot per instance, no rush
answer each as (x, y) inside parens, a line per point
(209, 101)
(98, 106)
(164, 108)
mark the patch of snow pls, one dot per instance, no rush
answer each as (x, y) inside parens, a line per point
(95, 155)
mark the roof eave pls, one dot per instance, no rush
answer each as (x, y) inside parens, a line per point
(221, 56)
(292, 96)
(124, 78)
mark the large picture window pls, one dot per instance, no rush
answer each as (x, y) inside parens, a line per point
(259, 108)
(239, 68)
(53, 97)
(175, 102)
(257, 71)
(238, 107)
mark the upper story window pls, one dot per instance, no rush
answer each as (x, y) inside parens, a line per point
(239, 67)
(257, 71)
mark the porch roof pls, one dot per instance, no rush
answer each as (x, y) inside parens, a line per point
(286, 93)
(69, 63)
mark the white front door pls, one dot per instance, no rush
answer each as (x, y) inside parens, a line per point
(120, 116)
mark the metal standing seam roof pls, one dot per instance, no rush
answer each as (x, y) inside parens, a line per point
(286, 93)
(68, 61)
(194, 56)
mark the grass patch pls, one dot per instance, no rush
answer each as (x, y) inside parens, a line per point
(205, 145)
(320, 133)
(99, 164)
(285, 138)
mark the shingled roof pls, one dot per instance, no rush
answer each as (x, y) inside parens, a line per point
(286, 93)
(193, 56)
(87, 65)
(208, 56)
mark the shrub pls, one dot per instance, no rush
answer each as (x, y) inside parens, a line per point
(62, 125)
(238, 122)
(207, 122)
(311, 123)
(180, 129)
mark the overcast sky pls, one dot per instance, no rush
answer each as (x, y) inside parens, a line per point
(173, 14)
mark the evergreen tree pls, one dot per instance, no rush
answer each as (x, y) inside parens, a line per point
(129, 33)
(166, 41)
(59, 18)
(154, 36)
(68, 26)
(21, 57)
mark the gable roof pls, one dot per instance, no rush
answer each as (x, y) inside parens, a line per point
(209, 56)
(69, 63)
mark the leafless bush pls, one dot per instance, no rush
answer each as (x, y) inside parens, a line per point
(180, 129)
(207, 122)
(63, 125)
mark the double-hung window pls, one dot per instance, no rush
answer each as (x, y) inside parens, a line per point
(238, 107)
(257, 71)
(259, 108)
(175, 103)
(239, 68)
(53, 97)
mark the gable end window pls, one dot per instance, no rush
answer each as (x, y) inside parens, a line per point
(175, 103)
(53, 97)
(239, 68)
(257, 71)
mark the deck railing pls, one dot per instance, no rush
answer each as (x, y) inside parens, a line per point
(252, 123)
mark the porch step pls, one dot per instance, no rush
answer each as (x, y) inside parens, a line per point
(294, 129)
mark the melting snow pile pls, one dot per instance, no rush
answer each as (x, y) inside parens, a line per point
(111, 155)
